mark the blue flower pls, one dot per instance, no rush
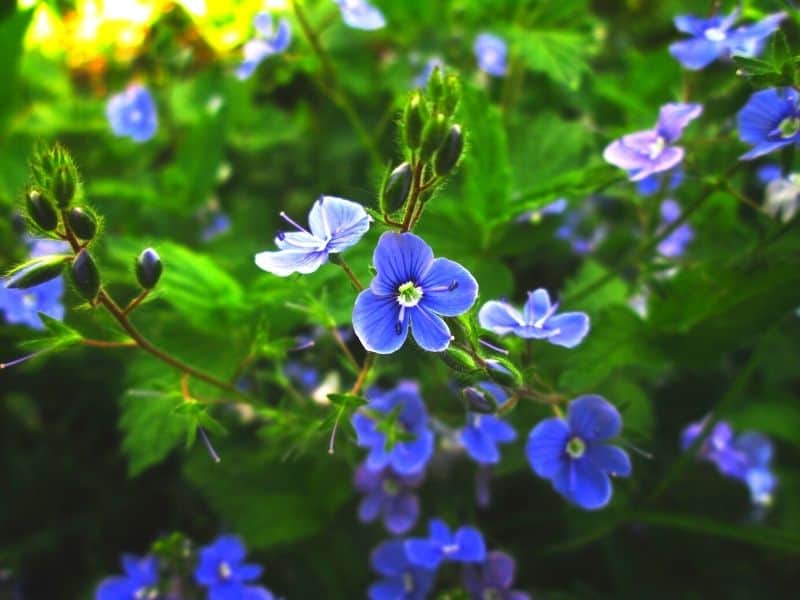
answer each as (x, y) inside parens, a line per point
(553, 208)
(405, 456)
(132, 113)
(713, 38)
(652, 184)
(389, 495)
(538, 320)
(493, 578)
(675, 243)
(268, 41)
(484, 432)
(650, 151)
(335, 223)
(222, 570)
(573, 454)
(401, 579)
(139, 581)
(466, 545)
(491, 52)
(305, 376)
(219, 224)
(411, 290)
(770, 120)
(360, 14)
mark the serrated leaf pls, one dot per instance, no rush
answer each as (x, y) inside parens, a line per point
(561, 54)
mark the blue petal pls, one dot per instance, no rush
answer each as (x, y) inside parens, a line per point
(115, 588)
(537, 306)
(591, 487)
(359, 14)
(769, 172)
(499, 570)
(248, 572)
(693, 25)
(572, 327)
(756, 447)
(370, 507)
(448, 288)
(399, 258)
(229, 590)
(401, 514)
(491, 51)
(765, 148)
(500, 317)
(479, 446)
(428, 329)
(610, 459)
(593, 418)
(649, 185)
(388, 589)
(366, 431)
(423, 553)
(439, 532)
(674, 117)
(546, 447)
(263, 23)
(410, 457)
(283, 36)
(471, 547)
(631, 151)
(257, 593)
(286, 262)
(341, 221)
(497, 429)
(389, 558)
(763, 112)
(697, 53)
(376, 320)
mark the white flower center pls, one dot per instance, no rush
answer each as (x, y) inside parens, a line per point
(655, 149)
(409, 294)
(29, 300)
(225, 570)
(576, 447)
(714, 34)
(408, 582)
(136, 116)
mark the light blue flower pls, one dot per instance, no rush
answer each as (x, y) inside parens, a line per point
(675, 243)
(132, 113)
(360, 14)
(484, 432)
(221, 569)
(491, 51)
(268, 41)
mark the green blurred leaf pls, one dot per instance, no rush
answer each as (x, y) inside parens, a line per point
(12, 35)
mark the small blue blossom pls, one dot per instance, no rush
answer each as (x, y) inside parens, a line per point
(574, 455)
(360, 14)
(140, 580)
(650, 151)
(483, 432)
(553, 208)
(132, 113)
(538, 320)
(713, 38)
(574, 231)
(401, 579)
(411, 290)
(675, 243)
(306, 377)
(491, 52)
(770, 120)
(222, 570)
(652, 184)
(405, 456)
(335, 224)
(269, 40)
(388, 495)
(492, 579)
(466, 545)
(219, 224)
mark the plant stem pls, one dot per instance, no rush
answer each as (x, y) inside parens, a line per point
(343, 347)
(416, 188)
(369, 360)
(105, 344)
(136, 301)
(349, 272)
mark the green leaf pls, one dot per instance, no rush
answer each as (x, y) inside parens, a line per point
(346, 401)
(60, 336)
(615, 292)
(561, 54)
(12, 35)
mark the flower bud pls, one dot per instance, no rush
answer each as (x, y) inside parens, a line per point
(148, 268)
(479, 401)
(82, 223)
(64, 186)
(40, 271)
(85, 275)
(452, 94)
(395, 189)
(436, 85)
(503, 371)
(458, 360)
(41, 211)
(432, 136)
(414, 121)
(449, 152)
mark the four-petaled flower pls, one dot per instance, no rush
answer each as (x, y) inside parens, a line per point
(646, 152)
(401, 579)
(538, 320)
(492, 579)
(411, 290)
(360, 14)
(466, 545)
(268, 41)
(574, 454)
(770, 120)
(713, 38)
(222, 570)
(491, 52)
(782, 192)
(675, 243)
(138, 583)
(335, 224)
(483, 432)
(405, 456)
(390, 495)
(132, 113)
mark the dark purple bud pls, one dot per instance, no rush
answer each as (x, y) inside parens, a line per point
(479, 401)
(148, 268)
(85, 275)
(41, 211)
(82, 223)
(449, 152)
(396, 186)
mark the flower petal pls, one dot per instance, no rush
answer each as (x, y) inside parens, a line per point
(360, 14)
(376, 321)
(429, 330)
(285, 262)
(499, 570)
(410, 457)
(591, 487)
(674, 117)
(537, 306)
(593, 418)
(609, 459)
(500, 317)
(480, 447)
(340, 221)
(471, 547)
(572, 327)
(423, 553)
(546, 447)
(497, 429)
(257, 593)
(401, 514)
(370, 507)
(448, 288)
(388, 589)
(399, 258)
(696, 54)
(763, 112)
(389, 558)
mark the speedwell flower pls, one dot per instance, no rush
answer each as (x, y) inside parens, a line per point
(132, 113)
(574, 455)
(268, 41)
(335, 224)
(139, 581)
(675, 243)
(492, 579)
(538, 320)
(411, 290)
(360, 14)
(223, 571)
(389, 495)
(491, 52)
(401, 579)
(466, 545)
(646, 152)
(770, 120)
(484, 432)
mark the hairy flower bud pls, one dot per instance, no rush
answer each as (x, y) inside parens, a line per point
(36, 273)
(432, 136)
(436, 85)
(82, 223)
(459, 360)
(85, 275)
(395, 189)
(41, 211)
(449, 152)
(148, 268)
(452, 94)
(414, 121)
(65, 183)
(479, 401)
(503, 371)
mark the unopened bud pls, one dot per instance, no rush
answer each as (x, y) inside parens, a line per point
(432, 136)
(39, 272)
(82, 223)
(503, 371)
(436, 85)
(458, 360)
(414, 121)
(41, 211)
(478, 400)
(148, 268)
(395, 189)
(449, 152)
(85, 275)
(64, 186)
(452, 94)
